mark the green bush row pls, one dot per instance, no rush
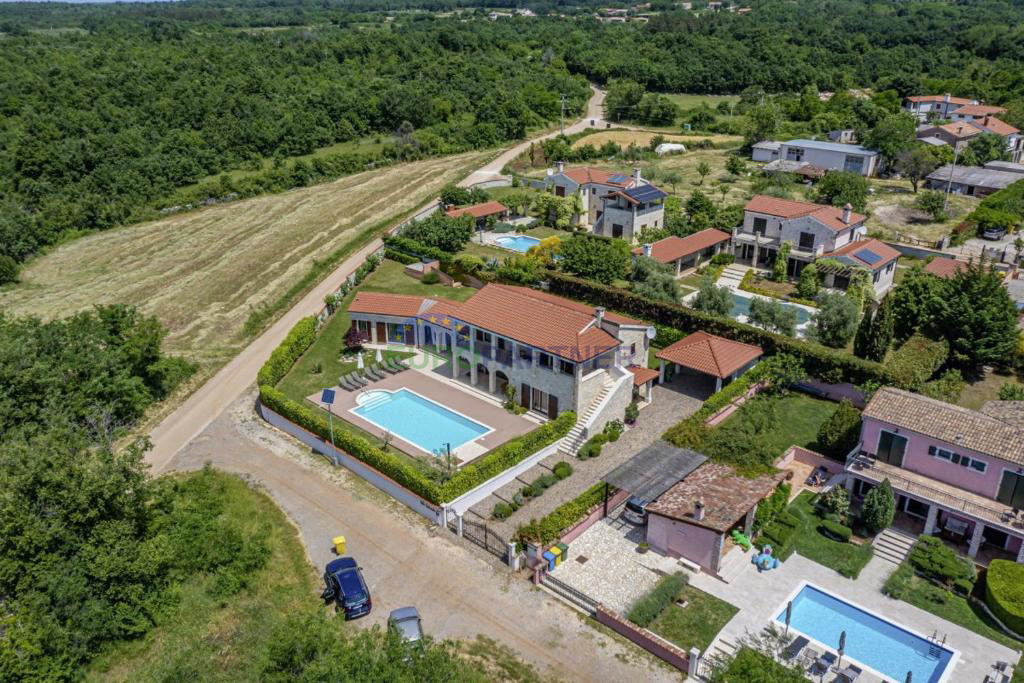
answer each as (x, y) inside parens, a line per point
(1004, 593)
(835, 530)
(548, 528)
(418, 249)
(281, 360)
(827, 364)
(400, 256)
(780, 534)
(917, 360)
(937, 561)
(654, 603)
(690, 432)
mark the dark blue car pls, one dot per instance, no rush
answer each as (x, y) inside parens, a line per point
(346, 587)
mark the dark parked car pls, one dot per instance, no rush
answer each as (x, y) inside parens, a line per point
(346, 587)
(993, 233)
(406, 622)
(635, 511)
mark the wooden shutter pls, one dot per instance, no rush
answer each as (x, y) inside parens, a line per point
(524, 397)
(552, 406)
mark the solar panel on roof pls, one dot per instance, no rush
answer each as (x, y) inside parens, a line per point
(645, 193)
(619, 178)
(868, 256)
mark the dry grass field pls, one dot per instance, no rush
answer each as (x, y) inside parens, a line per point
(892, 211)
(201, 273)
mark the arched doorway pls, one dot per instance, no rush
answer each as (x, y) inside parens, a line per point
(501, 381)
(483, 375)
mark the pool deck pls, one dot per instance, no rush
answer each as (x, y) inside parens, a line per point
(759, 597)
(504, 424)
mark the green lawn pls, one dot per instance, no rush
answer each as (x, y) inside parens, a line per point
(695, 625)
(959, 610)
(800, 418)
(690, 101)
(390, 277)
(846, 558)
(986, 388)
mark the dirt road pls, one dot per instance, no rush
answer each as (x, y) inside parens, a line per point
(404, 560)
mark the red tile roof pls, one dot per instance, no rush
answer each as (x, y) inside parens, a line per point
(960, 129)
(880, 248)
(478, 210)
(994, 125)
(585, 174)
(939, 98)
(709, 354)
(829, 216)
(944, 267)
(641, 375)
(673, 248)
(615, 318)
(544, 321)
(440, 313)
(380, 303)
(978, 110)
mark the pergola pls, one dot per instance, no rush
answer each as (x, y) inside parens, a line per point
(721, 358)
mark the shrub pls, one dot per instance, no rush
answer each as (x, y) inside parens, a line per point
(613, 430)
(936, 560)
(879, 507)
(632, 413)
(281, 360)
(837, 501)
(780, 535)
(355, 338)
(8, 269)
(898, 583)
(914, 363)
(430, 278)
(835, 530)
(1004, 593)
(838, 434)
(562, 469)
(549, 527)
(752, 666)
(648, 607)
(400, 257)
(771, 507)
(722, 258)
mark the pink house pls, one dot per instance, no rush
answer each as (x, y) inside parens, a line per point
(956, 472)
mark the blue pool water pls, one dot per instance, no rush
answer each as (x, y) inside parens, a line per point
(883, 646)
(520, 243)
(417, 420)
(741, 306)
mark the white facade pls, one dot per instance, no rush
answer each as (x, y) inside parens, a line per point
(832, 156)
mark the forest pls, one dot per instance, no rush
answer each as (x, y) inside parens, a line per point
(125, 111)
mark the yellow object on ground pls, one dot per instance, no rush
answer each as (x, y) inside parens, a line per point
(339, 544)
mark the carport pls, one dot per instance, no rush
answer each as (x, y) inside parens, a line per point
(710, 355)
(652, 471)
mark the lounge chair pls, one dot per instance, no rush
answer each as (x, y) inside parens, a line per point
(850, 674)
(354, 379)
(795, 648)
(817, 477)
(396, 364)
(345, 384)
(823, 664)
(374, 373)
(391, 370)
(809, 658)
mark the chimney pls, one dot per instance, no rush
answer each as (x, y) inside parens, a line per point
(846, 213)
(636, 177)
(984, 121)
(599, 315)
(647, 250)
(561, 166)
(946, 98)
(698, 510)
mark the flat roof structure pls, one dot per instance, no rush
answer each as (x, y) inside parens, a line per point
(654, 470)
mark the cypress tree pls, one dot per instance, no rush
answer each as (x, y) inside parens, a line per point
(881, 332)
(862, 340)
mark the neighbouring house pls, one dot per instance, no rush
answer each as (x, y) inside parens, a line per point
(556, 353)
(929, 107)
(813, 231)
(708, 356)
(846, 136)
(766, 150)
(694, 517)
(832, 156)
(969, 112)
(480, 212)
(955, 472)
(944, 267)
(686, 253)
(958, 134)
(1006, 166)
(614, 204)
(974, 181)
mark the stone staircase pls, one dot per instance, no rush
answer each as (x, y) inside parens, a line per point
(576, 438)
(735, 563)
(894, 545)
(732, 275)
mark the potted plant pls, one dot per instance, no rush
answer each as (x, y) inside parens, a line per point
(642, 547)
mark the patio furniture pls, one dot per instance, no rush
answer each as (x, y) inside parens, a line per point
(346, 385)
(389, 369)
(373, 373)
(355, 379)
(824, 663)
(955, 527)
(818, 477)
(850, 674)
(395, 364)
(809, 658)
(794, 649)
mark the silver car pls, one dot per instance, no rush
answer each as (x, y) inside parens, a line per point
(406, 622)
(635, 511)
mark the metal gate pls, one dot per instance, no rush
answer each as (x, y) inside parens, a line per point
(481, 535)
(571, 594)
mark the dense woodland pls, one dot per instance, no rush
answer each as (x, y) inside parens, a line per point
(119, 111)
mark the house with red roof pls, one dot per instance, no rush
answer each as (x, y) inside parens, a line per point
(480, 212)
(555, 353)
(615, 204)
(930, 107)
(813, 232)
(684, 254)
(708, 355)
(960, 132)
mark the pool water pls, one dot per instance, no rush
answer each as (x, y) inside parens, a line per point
(425, 424)
(520, 243)
(741, 306)
(885, 647)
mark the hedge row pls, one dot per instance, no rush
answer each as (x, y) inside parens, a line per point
(506, 455)
(780, 534)
(1004, 593)
(415, 248)
(827, 364)
(550, 527)
(917, 360)
(648, 607)
(299, 338)
(932, 558)
(400, 256)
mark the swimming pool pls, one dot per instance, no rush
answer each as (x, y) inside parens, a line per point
(425, 424)
(885, 647)
(520, 243)
(741, 306)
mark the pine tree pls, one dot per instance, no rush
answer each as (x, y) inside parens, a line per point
(862, 341)
(881, 332)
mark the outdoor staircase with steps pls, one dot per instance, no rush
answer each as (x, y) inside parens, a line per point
(576, 437)
(735, 562)
(720, 649)
(894, 545)
(732, 276)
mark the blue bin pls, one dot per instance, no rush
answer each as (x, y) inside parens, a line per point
(550, 559)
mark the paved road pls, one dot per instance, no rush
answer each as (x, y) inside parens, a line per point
(406, 561)
(181, 426)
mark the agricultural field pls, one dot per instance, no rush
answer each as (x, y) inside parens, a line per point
(202, 273)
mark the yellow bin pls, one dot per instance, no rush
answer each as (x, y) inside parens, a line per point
(557, 552)
(339, 544)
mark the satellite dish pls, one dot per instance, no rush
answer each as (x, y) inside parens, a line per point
(651, 333)
(551, 171)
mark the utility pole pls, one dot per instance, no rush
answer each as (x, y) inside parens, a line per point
(949, 185)
(563, 114)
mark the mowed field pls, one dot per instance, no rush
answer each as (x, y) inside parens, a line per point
(201, 273)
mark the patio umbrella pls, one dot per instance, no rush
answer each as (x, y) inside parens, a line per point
(378, 357)
(842, 648)
(359, 361)
(789, 615)
(910, 676)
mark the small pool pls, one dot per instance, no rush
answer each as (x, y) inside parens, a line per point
(885, 647)
(425, 424)
(520, 243)
(741, 306)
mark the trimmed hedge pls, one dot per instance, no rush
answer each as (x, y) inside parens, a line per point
(835, 530)
(917, 361)
(818, 360)
(648, 607)
(1004, 593)
(937, 561)
(549, 527)
(690, 432)
(400, 256)
(418, 249)
(780, 534)
(281, 360)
